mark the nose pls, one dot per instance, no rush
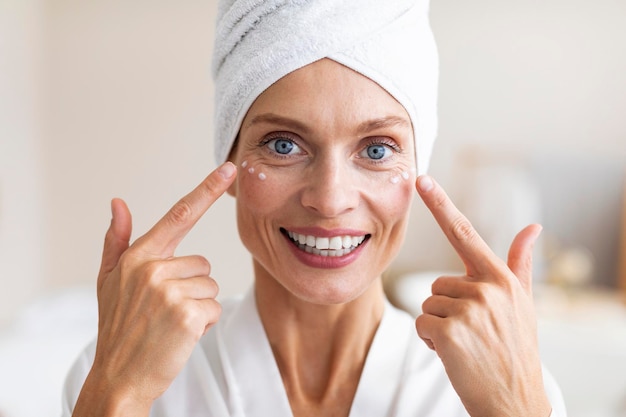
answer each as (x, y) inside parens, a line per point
(331, 188)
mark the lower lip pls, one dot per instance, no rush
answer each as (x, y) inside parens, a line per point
(325, 262)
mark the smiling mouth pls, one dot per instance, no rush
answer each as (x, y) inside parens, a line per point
(334, 246)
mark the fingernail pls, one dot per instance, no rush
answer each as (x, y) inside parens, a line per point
(227, 170)
(425, 183)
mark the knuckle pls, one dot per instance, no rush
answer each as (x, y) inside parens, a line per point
(204, 264)
(507, 286)
(480, 292)
(440, 201)
(181, 212)
(439, 285)
(215, 314)
(153, 272)
(194, 318)
(168, 299)
(465, 309)
(212, 310)
(214, 287)
(429, 304)
(187, 318)
(126, 262)
(450, 330)
(462, 229)
(216, 311)
(420, 324)
(210, 188)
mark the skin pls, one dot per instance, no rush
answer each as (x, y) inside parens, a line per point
(154, 306)
(328, 316)
(482, 325)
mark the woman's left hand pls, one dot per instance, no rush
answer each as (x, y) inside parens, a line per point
(482, 325)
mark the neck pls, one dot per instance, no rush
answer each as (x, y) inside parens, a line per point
(320, 349)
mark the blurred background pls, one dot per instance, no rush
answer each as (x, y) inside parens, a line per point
(104, 99)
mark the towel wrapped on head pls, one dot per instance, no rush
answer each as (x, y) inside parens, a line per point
(260, 41)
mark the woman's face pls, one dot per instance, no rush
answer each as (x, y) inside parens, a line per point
(326, 173)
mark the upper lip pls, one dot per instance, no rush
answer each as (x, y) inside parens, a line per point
(321, 232)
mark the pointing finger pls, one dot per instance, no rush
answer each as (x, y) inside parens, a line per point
(168, 232)
(474, 252)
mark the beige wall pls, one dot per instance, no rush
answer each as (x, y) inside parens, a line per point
(538, 84)
(102, 99)
(129, 115)
(21, 203)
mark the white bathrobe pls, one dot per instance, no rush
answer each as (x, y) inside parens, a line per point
(232, 372)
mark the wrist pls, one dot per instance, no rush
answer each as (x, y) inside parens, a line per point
(104, 398)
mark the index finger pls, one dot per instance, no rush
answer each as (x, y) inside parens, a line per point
(168, 232)
(474, 252)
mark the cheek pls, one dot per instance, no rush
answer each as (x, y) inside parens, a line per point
(260, 189)
(397, 199)
(260, 202)
(392, 192)
(263, 188)
(390, 204)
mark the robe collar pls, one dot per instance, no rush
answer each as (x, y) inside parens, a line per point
(255, 384)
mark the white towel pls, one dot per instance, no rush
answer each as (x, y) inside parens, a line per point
(260, 41)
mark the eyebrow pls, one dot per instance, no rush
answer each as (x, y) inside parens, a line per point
(363, 128)
(382, 123)
(272, 118)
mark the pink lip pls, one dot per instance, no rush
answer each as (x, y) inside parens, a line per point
(326, 262)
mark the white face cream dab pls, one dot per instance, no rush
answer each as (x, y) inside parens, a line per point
(403, 176)
(261, 175)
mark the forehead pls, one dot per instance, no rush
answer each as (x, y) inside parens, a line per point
(329, 94)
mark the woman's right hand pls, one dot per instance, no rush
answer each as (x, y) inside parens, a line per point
(153, 306)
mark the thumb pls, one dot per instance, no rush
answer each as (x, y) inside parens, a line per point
(520, 258)
(117, 238)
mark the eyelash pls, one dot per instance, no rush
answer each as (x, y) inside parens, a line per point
(278, 135)
(393, 145)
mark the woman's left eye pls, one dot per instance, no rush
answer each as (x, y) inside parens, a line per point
(376, 152)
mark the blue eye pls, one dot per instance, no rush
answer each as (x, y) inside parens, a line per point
(283, 146)
(377, 151)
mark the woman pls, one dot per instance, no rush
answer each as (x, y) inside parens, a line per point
(323, 163)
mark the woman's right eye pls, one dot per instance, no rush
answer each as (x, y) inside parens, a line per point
(283, 146)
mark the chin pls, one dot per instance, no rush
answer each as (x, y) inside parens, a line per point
(334, 293)
(315, 286)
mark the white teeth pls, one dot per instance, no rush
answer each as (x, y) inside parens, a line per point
(335, 243)
(325, 246)
(322, 243)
